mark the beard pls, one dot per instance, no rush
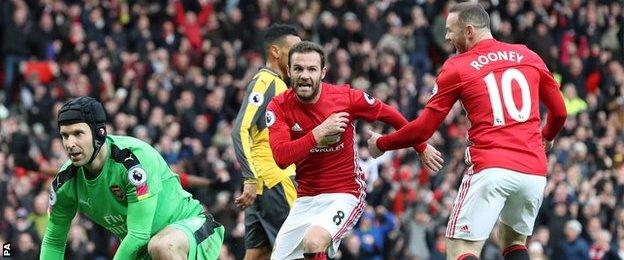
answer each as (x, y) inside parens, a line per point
(307, 95)
(460, 45)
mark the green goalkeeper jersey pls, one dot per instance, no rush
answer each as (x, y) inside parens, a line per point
(135, 196)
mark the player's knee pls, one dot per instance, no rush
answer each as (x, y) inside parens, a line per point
(313, 245)
(159, 247)
(316, 240)
(163, 247)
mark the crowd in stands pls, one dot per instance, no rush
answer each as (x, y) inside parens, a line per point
(173, 73)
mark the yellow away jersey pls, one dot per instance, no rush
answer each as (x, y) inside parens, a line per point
(250, 134)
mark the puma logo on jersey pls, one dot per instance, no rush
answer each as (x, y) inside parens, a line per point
(86, 202)
(128, 159)
(296, 128)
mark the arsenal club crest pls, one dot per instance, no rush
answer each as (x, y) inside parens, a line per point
(118, 192)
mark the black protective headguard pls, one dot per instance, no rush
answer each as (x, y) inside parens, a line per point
(86, 110)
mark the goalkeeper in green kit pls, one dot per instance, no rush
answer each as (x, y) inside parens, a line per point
(124, 185)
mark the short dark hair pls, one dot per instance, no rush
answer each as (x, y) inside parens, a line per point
(277, 32)
(305, 47)
(471, 13)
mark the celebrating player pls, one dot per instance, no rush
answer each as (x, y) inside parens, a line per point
(275, 188)
(500, 86)
(124, 185)
(311, 125)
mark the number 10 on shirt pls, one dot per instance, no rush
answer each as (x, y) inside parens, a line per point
(507, 79)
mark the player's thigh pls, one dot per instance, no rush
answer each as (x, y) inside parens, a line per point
(478, 204)
(340, 215)
(322, 211)
(522, 207)
(204, 236)
(288, 241)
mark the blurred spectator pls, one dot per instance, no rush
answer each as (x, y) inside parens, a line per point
(374, 226)
(574, 104)
(39, 215)
(574, 246)
(16, 39)
(602, 248)
(419, 232)
(27, 248)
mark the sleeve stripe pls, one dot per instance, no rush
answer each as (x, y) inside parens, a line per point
(63, 177)
(242, 128)
(268, 95)
(125, 157)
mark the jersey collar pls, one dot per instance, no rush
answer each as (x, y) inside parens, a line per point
(269, 70)
(485, 43)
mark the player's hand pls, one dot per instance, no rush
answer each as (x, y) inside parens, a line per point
(547, 144)
(372, 144)
(334, 124)
(248, 197)
(431, 158)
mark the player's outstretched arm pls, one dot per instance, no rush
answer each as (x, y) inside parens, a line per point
(429, 156)
(139, 222)
(368, 108)
(417, 131)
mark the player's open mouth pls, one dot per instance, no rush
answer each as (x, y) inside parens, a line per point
(75, 155)
(304, 86)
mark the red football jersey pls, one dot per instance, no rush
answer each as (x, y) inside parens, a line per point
(331, 166)
(500, 86)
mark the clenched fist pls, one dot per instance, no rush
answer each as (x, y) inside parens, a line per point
(329, 131)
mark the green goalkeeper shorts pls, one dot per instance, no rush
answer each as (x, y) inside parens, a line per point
(205, 236)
